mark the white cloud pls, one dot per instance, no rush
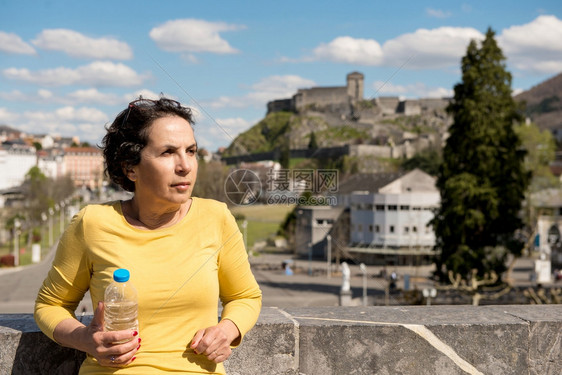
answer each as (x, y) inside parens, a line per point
(422, 49)
(76, 44)
(190, 58)
(12, 43)
(44, 96)
(91, 96)
(414, 90)
(267, 89)
(68, 113)
(535, 46)
(145, 93)
(437, 13)
(7, 117)
(191, 35)
(222, 131)
(86, 122)
(430, 49)
(349, 50)
(277, 87)
(98, 73)
(234, 125)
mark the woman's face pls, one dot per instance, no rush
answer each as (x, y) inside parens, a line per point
(167, 171)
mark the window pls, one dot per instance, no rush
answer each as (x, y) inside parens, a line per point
(415, 229)
(379, 207)
(392, 207)
(377, 229)
(404, 208)
(406, 230)
(371, 228)
(391, 229)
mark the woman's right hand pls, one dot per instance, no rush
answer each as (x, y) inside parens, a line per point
(100, 344)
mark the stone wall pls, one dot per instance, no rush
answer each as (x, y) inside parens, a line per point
(449, 340)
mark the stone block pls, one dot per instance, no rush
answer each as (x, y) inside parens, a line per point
(26, 350)
(545, 335)
(270, 348)
(411, 340)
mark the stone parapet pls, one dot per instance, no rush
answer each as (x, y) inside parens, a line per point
(507, 339)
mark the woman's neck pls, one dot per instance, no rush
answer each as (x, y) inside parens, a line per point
(144, 217)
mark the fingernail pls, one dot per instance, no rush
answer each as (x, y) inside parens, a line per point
(138, 347)
(139, 340)
(133, 359)
(135, 333)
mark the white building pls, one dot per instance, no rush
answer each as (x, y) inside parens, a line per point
(392, 215)
(51, 164)
(15, 162)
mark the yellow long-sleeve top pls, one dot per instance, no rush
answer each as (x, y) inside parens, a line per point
(180, 272)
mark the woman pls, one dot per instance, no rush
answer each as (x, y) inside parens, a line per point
(184, 253)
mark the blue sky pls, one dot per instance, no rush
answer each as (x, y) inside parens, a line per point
(68, 67)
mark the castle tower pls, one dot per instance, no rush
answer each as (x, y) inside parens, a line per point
(355, 86)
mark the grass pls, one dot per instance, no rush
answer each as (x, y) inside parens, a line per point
(262, 220)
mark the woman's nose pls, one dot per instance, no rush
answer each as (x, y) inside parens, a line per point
(183, 164)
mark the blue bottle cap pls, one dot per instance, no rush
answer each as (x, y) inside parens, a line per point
(121, 275)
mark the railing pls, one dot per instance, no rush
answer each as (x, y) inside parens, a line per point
(507, 339)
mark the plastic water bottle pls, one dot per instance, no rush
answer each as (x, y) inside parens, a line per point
(121, 303)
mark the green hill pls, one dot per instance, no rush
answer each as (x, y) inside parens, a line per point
(282, 129)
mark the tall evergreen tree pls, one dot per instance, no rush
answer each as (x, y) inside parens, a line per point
(482, 180)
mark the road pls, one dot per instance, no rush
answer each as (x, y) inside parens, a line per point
(308, 286)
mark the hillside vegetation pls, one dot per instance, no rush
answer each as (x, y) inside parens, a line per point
(543, 103)
(287, 130)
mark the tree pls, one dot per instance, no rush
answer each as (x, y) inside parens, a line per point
(482, 179)
(312, 144)
(211, 178)
(427, 160)
(541, 148)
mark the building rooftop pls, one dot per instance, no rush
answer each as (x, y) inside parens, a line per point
(370, 182)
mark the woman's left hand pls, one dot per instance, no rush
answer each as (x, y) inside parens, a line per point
(214, 342)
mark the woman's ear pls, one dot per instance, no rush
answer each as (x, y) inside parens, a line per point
(130, 173)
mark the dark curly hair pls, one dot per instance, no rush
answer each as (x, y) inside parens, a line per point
(128, 135)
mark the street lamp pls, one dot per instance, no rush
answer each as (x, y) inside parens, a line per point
(364, 271)
(310, 259)
(329, 255)
(62, 204)
(51, 213)
(17, 226)
(429, 293)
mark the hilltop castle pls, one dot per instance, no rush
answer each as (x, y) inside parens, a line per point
(348, 101)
